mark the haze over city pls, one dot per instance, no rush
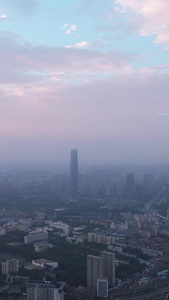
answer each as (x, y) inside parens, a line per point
(91, 75)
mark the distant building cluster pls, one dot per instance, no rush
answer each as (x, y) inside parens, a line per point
(148, 224)
(95, 182)
(99, 206)
(100, 238)
(122, 226)
(6, 183)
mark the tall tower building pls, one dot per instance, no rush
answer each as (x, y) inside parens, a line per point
(108, 266)
(74, 174)
(93, 271)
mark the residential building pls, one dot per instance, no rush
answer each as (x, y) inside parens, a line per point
(10, 266)
(108, 266)
(93, 271)
(43, 291)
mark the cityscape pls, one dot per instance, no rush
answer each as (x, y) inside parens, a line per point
(84, 233)
(84, 150)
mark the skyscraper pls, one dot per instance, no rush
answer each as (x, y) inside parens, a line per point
(93, 270)
(108, 266)
(74, 175)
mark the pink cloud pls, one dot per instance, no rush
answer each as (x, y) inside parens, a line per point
(149, 16)
(3, 16)
(78, 45)
(124, 110)
(22, 62)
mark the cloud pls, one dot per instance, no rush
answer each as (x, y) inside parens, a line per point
(78, 45)
(68, 29)
(21, 62)
(65, 25)
(3, 16)
(108, 109)
(118, 113)
(150, 17)
(100, 43)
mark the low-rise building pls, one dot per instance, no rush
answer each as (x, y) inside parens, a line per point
(61, 226)
(42, 262)
(74, 240)
(37, 235)
(42, 246)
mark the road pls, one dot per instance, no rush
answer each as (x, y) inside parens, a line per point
(155, 199)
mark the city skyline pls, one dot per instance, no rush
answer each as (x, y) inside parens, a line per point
(84, 74)
(74, 174)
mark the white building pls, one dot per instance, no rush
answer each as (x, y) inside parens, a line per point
(34, 236)
(42, 262)
(61, 226)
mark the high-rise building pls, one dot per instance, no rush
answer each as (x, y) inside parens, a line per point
(74, 175)
(93, 271)
(10, 266)
(108, 266)
(102, 287)
(43, 290)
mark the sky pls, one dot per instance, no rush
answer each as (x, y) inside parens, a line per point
(86, 74)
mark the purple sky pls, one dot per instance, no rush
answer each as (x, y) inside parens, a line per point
(84, 75)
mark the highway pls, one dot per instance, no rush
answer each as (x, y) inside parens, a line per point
(155, 199)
